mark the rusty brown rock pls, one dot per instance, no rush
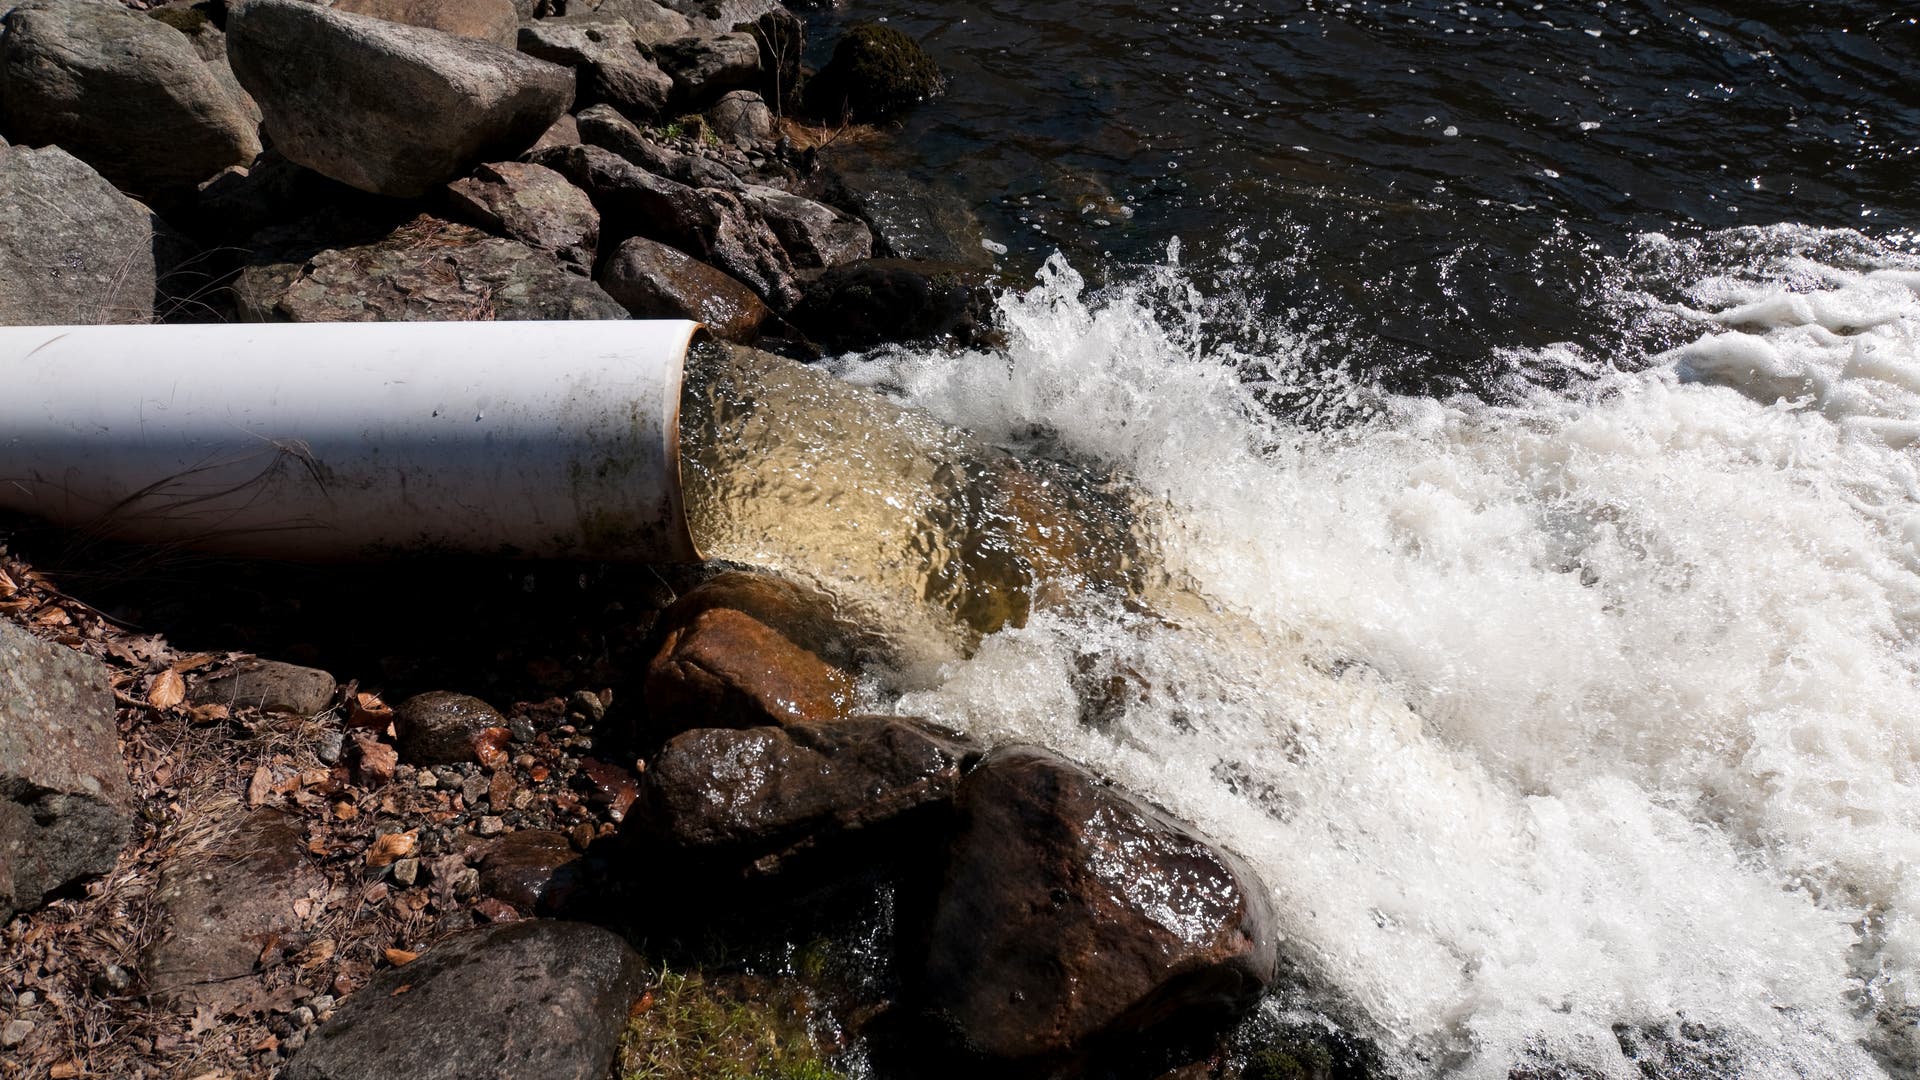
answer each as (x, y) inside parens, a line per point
(484, 20)
(535, 870)
(654, 281)
(1072, 913)
(443, 728)
(724, 668)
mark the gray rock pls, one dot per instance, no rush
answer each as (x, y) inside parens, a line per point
(605, 128)
(1073, 914)
(65, 807)
(654, 281)
(426, 270)
(123, 92)
(703, 68)
(269, 686)
(742, 118)
(531, 204)
(607, 60)
(651, 22)
(441, 728)
(387, 108)
(73, 250)
(221, 907)
(523, 999)
(816, 235)
(767, 793)
(482, 20)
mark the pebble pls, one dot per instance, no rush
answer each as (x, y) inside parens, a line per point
(475, 789)
(491, 825)
(322, 1005)
(465, 883)
(28, 998)
(406, 871)
(521, 729)
(587, 704)
(302, 1017)
(112, 979)
(330, 747)
(15, 1032)
(526, 761)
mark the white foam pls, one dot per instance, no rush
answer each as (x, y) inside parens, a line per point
(1597, 709)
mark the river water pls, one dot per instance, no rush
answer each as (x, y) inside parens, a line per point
(1521, 401)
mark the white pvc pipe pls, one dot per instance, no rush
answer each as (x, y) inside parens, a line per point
(353, 440)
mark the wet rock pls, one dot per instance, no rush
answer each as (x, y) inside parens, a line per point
(703, 68)
(654, 281)
(605, 128)
(123, 92)
(1073, 913)
(520, 999)
(72, 249)
(65, 807)
(912, 217)
(741, 118)
(876, 73)
(269, 686)
(801, 613)
(536, 870)
(533, 205)
(651, 22)
(391, 109)
(713, 226)
(862, 304)
(769, 792)
(724, 668)
(220, 909)
(426, 270)
(608, 62)
(483, 20)
(814, 234)
(442, 728)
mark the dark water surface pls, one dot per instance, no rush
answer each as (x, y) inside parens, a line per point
(1439, 180)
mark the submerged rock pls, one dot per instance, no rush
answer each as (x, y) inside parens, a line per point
(724, 668)
(522, 999)
(125, 93)
(387, 108)
(766, 793)
(1074, 914)
(863, 304)
(533, 205)
(876, 73)
(654, 281)
(483, 20)
(426, 270)
(442, 728)
(65, 807)
(72, 249)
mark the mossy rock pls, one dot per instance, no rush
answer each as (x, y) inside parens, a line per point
(692, 1027)
(876, 73)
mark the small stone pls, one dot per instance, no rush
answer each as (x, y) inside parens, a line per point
(465, 883)
(302, 1017)
(269, 686)
(322, 1004)
(329, 747)
(426, 780)
(475, 789)
(111, 980)
(491, 825)
(406, 872)
(521, 729)
(28, 999)
(588, 704)
(15, 1032)
(501, 790)
(582, 835)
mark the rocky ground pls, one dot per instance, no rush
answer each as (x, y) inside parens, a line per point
(473, 820)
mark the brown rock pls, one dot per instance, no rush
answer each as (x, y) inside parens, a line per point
(604, 127)
(564, 132)
(805, 615)
(1073, 913)
(654, 281)
(65, 808)
(442, 728)
(269, 686)
(374, 762)
(769, 792)
(535, 870)
(222, 909)
(724, 668)
(531, 204)
(485, 20)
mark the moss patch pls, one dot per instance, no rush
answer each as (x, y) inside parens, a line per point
(691, 1027)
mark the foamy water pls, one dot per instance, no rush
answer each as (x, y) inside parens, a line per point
(1596, 709)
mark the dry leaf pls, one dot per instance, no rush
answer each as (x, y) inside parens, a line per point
(260, 787)
(7, 587)
(368, 711)
(401, 989)
(392, 847)
(168, 690)
(207, 714)
(66, 1070)
(401, 957)
(52, 616)
(316, 954)
(190, 663)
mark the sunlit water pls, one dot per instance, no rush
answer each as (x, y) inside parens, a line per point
(1595, 708)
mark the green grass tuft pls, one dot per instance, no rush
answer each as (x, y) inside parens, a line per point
(689, 1028)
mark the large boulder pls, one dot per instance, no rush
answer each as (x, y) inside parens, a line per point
(427, 270)
(605, 128)
(725, 668)
(764, 794)
(863, 304)
(520, 999)
(483, 20)
(73, 250)
(1073, 914)
(531, 204)
(123, 92)
(654, 281)
(742, 119)
(651, 22)
(384, 107)
(611, 69)
(877, 72)
(703, 68)
(816, 235)
(65, 807)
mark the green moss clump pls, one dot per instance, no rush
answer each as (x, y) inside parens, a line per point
(1289, 1061)
(184, 19)
(689, 1028)
(876, 72)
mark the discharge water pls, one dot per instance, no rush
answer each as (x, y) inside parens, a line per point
(1568, 729)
